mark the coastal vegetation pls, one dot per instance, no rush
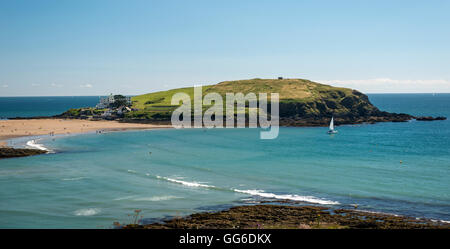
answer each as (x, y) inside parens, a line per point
(80, 112)
(119, 100)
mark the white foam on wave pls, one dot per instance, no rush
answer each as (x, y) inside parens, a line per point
(376, 212)
(442, 221)
(87, 211)
(124, 198)
(131, 171)
(34, 145)
(310, 199)
(157, 198)
(186, 183)
(74, 179)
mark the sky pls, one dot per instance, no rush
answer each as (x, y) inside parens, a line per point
(97, 47)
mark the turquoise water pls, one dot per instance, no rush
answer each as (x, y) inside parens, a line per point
(95, 179)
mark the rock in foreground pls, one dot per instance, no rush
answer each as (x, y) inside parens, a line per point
(291, 217)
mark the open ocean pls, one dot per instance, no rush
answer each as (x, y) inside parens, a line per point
(93, 180)
(11, 107)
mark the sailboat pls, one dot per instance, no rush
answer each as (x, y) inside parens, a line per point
(332, 130)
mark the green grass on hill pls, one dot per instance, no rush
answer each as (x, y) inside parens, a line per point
(297, 97)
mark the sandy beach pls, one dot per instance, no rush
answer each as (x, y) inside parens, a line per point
(34, 127)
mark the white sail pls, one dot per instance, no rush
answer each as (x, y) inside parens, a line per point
(332, 124)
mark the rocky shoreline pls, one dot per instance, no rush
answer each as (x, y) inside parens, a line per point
(7, 152)
(429, 118)
(286, 121)
(269, 216)
(312, 121)
(345, 120)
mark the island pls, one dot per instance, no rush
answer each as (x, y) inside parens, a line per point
(301, 103)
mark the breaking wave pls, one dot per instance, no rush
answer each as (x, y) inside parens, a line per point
(34, 145)
(186, 183)
(157, 198)
(310, 199)
(124, 198)
(74, 179)
(260, 193)
(87, 211)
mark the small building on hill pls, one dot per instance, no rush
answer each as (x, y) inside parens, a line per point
(108, 101)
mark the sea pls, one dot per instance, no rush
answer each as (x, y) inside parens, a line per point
(93, 180)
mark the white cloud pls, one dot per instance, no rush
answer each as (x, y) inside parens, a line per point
(387, 85)
(56, 85)
(35, 84)
(86, 86)
(5, 86)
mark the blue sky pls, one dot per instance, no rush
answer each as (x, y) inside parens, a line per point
(131, 47)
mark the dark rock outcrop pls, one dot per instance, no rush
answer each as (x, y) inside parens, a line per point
(291, 217)
(13, 152)
(429, 118)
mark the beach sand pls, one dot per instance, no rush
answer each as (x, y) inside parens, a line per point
(34, 127)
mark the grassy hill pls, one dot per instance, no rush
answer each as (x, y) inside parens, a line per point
(299, 98)
(302, 103)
